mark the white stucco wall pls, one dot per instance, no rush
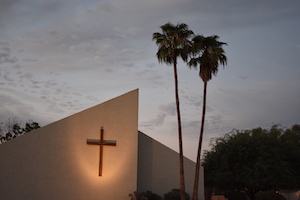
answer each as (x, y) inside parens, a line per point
(54, 162)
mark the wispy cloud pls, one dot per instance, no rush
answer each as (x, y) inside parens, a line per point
(5, 53)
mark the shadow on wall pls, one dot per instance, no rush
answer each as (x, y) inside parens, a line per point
(145, 165)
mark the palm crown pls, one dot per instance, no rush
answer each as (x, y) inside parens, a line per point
(211, 55)
(173, 42)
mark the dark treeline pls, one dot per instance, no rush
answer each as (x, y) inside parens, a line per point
(251, 161)
(14, 127)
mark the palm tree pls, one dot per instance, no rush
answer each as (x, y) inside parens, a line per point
(210, 55)
(172, 43)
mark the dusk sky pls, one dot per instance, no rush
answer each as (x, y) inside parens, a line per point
(60, 57)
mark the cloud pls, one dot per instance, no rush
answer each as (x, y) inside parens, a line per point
(11, 106)
(5, 53)
(29, 60)
(243, 77)
(164, 111)
(192, 124)
(126, 33)
(169, 109)
(83, 47)
(5, 8)
(193, 100)
(158, 121)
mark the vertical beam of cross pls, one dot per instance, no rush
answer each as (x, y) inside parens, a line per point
(101, 143)
(101, 151)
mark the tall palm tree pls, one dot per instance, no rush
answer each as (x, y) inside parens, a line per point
(174, 42)
(209, 55)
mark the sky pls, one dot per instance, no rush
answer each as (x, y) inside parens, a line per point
(61, 57)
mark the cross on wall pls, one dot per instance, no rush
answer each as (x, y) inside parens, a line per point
(101, 143)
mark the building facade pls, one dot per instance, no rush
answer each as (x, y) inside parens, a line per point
(63, 159)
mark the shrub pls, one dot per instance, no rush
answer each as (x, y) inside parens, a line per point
(269, 195)
(144, 196)
(151, 196)
(235, 195)
(175, 195)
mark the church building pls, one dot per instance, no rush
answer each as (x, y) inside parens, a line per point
(96, 154)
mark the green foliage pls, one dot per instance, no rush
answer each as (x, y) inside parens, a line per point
(255, 160)
(269, 195)
(208, 54)
(173, 42)
(12, 129)
(235, 195)
(31, 125)
(151, 196)
(175, 195)
(148, 195)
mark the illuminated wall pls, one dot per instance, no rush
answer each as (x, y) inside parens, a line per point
(54, 162)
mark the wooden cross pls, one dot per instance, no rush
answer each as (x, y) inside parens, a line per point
(101, 142)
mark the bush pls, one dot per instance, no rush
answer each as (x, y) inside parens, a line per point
(269, 195)
(175, 195)
(144, 196)
(235, 195)
(150, 195)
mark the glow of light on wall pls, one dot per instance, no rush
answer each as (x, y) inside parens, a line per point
(114, 165)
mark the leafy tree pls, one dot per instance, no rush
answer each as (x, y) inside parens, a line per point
(174, 42)
(31, 125)
(17, 130)
(255, 160)
(208, 55)
(12, 129)
(8, 136)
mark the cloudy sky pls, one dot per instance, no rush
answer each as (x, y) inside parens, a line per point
(60, 57)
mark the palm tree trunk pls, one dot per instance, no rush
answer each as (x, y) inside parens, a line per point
(182, 184)
(196, 181)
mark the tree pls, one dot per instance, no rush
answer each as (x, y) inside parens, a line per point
(208, 54)
(269, 195)
(12, 129)
(174, 42)
(255, 160)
